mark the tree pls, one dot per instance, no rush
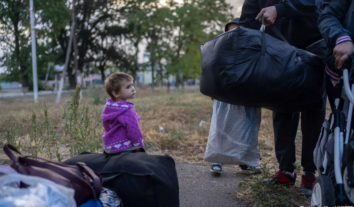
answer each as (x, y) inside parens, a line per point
(108, 50)
(16, 40)
(13, 15)
(151, 23)
(92, 19)
(196, 22)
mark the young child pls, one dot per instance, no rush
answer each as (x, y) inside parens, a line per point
(119, 119)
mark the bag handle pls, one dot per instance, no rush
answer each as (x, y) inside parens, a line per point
(97, 180)
(8, 148)
(74, 178)
(264, 43)
(275, 30)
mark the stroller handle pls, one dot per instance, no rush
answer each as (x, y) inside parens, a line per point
(347, 89)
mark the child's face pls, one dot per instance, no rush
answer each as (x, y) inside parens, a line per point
(127, 91)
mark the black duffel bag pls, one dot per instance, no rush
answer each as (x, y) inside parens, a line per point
(251, 68)
(139, 179)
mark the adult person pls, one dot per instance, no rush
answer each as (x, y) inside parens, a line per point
(336, 24)
(297, 22)
(239, 124)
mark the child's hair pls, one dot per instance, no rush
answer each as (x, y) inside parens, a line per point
(115, 81)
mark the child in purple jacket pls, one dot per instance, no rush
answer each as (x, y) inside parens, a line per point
(119, 119)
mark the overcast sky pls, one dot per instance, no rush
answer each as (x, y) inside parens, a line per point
(237, 6)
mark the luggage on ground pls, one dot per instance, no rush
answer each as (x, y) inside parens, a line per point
(138, 179)
(86, 183)
(248, 67)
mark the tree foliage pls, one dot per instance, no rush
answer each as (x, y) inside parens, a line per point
(15, 35)
(111, 34)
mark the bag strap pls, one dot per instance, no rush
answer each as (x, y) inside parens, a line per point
(279, 34)
(8, 148)
(97, 180)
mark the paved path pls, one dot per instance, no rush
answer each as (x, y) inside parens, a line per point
(199, 188)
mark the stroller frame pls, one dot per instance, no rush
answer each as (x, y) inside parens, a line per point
(324, 192)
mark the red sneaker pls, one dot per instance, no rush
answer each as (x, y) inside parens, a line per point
(281, 178)
(307, 181)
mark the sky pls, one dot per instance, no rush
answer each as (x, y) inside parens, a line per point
(237, 5)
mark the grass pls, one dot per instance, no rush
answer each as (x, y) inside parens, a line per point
(169, 122)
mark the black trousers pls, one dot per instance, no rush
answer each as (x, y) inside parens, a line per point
(285, 127)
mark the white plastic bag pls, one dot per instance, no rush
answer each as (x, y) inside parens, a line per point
(109, 198)
(40, 193)
(233, 136)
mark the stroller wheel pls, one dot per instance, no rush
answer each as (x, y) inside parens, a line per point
(348, 190)
(323, 192)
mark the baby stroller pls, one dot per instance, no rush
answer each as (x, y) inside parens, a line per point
(334, 153)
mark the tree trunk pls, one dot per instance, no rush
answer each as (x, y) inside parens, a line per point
(152, 75)
(17, 53)
(72, 78)
(178, 82)
(161, 75)
(103, 76)
(25, 81)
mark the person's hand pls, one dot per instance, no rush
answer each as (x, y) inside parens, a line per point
(231, 27)
(269, 14)
(341, 52)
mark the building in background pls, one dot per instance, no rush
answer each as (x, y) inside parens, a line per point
(7, 85)
(144, 76)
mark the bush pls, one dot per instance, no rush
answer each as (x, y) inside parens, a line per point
(96, 93)
(41, 86)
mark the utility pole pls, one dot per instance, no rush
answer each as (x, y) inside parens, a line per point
(34, 55)
(73, 17)
(77, 72)
(67, 58)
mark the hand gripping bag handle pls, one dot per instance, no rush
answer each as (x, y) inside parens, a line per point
(275, 30)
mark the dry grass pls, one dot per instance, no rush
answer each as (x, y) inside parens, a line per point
(179, 114)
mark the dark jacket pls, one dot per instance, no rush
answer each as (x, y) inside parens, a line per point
(336, 22)
(297, 19)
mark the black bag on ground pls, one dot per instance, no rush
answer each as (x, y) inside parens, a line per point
(139, 179)
(251, 68)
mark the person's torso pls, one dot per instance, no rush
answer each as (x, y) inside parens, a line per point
(300, 31)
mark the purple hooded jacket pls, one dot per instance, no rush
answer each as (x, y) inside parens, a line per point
(121, 124)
